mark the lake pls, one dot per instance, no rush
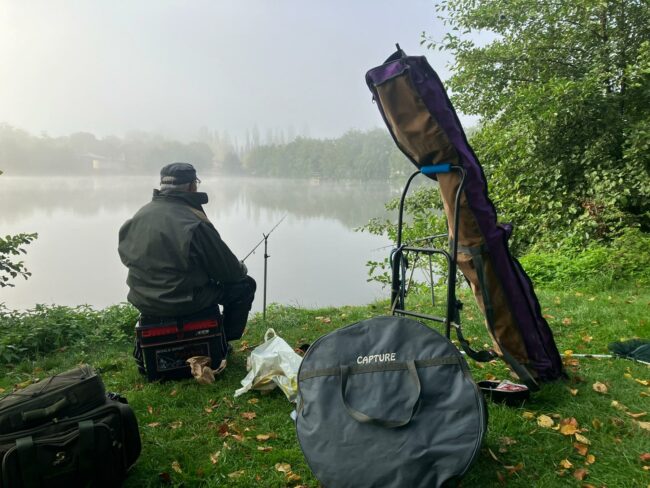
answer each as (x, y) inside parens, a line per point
(316, 258)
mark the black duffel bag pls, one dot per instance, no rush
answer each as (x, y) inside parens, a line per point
(64, 431)
(388, 402)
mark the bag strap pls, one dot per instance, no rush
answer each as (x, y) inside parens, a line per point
(522, 372)
(27, 461)
(86, 449)
(363, 418)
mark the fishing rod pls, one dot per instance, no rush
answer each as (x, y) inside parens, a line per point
(266, 236)
(264, 240)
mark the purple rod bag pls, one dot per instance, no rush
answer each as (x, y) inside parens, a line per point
(424, 125)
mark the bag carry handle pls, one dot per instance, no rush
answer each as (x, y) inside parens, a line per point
(366, 419)
(43, 413)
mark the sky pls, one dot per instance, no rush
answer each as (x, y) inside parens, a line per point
(174, 66)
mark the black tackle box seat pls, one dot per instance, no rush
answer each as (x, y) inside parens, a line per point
(167, 342)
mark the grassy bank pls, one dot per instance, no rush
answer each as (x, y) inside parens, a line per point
(196, 435)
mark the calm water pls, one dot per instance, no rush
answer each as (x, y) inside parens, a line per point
(316, 257)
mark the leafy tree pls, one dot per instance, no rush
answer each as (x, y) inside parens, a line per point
(563, 90)
(13, 246)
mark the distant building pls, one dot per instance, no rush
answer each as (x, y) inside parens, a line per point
(105, 163)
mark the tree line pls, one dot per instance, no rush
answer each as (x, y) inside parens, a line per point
(356, 154)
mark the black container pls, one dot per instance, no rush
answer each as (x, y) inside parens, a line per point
(167, 343)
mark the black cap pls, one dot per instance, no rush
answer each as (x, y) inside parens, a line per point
(177, 174)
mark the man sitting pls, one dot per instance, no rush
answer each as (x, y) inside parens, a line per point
(178, 264)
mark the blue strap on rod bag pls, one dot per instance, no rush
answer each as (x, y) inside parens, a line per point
(388, 402)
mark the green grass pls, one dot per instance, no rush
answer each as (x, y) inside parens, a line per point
(183, 424)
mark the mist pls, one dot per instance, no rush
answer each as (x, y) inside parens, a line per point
(173, 67)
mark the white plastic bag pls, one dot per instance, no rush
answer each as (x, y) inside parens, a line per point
(272, 363)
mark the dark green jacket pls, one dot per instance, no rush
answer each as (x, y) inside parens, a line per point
(177, 261)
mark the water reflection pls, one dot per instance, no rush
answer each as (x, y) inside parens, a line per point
(316, 257)
(351, 203)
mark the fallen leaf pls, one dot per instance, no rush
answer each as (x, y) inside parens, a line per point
(618, 405)
(580, 474)
(214, 457)
(2, 390)
(262, 437)
(236, 474)
(545, 421)
(591, 459)
(581, 448)
(223, 429)
(645, 457)
(248, 415)
(504, 442)
(642, 382)
(493, 455)
(567, 321)
(153, 424)
(599, 387)
(239, 438)
(176, 424)
(582, 439)
(253, 401)
(528, 415)
(514, 469)
(597, 424)
(547, 316)
(637, 415)
(644, 425)
(173, 392)
(291, 476)
(568, 353)
(24, 384)
(587, 338)
(573, 391)
(283, 467)
(264, 448)
(573, 362)
(207, 409)
(149, 409)
(566, 464)
(568, 426)
(176, 467)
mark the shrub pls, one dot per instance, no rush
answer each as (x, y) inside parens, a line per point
(44, 329)
(627, 258)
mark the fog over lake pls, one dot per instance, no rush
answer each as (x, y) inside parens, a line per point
(316, 256)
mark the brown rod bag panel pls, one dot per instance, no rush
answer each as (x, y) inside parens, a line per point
(424, 125)
(64, 431)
